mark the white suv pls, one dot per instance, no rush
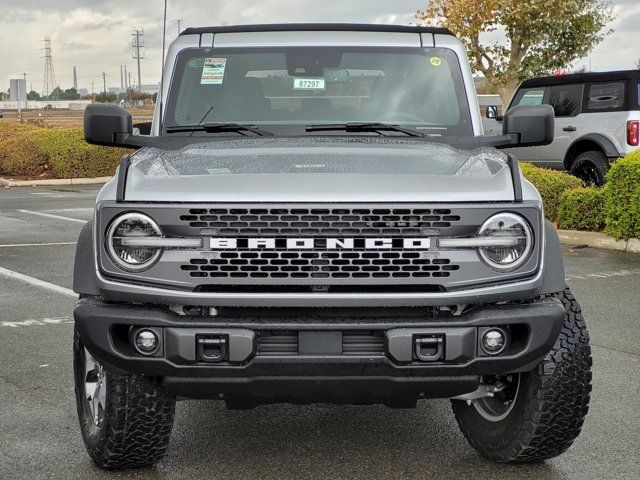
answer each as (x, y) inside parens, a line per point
(597, 121)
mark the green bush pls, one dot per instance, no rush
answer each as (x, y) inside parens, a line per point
(623, 198)
(582, 209)
(551, 184)
(27, 150)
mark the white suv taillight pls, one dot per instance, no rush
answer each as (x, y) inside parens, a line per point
(633, 133)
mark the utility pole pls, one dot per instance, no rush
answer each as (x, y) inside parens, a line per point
(26, 98)
(104, 81)
(179, 23)
(92, 87)
(138, 54)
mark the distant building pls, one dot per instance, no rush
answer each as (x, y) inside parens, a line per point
(83, 91)
(150, 89)
(18, 90)
(116, 91)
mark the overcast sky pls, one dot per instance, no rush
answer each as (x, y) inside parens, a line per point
(94, 35)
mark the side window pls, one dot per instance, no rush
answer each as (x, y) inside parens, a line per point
(566, 100)
(529, 96)
(606, 96)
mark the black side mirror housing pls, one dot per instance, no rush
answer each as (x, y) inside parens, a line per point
(112, 126)
(533, 125)
(106, 124)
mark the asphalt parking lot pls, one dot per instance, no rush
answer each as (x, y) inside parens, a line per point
(40, 439)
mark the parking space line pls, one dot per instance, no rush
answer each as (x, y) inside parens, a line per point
(37, 283)
(12, 245)
(38, 323)
(51, 215)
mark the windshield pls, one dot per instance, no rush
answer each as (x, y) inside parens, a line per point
(289, 88)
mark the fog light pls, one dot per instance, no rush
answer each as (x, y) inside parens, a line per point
(494, 341)
(146, 341)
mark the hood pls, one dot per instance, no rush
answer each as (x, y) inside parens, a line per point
(380, 169)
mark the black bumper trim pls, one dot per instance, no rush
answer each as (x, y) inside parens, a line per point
(97, 322)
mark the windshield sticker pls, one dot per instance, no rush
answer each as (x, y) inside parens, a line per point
(213, 71)
(435, 61)
(309, 84)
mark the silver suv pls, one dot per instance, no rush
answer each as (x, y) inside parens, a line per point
(597, 121)
(316, 216)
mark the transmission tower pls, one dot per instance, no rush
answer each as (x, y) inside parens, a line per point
(49, 82)
(137, 44)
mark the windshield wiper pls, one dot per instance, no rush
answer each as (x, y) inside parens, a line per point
(220, 127)
(363, 127)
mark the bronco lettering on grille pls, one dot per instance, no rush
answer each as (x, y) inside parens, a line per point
(320, 244)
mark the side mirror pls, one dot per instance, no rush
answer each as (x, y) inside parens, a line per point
(491, 112)
(106, 124)
(112, 126)
(529, 126)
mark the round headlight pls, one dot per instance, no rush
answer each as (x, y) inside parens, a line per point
(517, 245)
(128, 227)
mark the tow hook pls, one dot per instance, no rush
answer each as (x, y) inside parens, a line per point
(429, 348)
(212, 348)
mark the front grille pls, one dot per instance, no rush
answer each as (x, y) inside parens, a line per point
(354, 343)
(313, 222)
(330, 265)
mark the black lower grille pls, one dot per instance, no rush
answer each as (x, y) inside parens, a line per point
(354, 343)
(319, 265)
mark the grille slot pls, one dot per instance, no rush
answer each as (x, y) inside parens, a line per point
(284, 222)
(321, 264)
(354, 343)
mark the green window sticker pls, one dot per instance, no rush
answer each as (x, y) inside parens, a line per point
(213, 71)
(435, 61)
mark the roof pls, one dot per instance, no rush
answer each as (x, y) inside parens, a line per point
(317, 27)
(582, 78)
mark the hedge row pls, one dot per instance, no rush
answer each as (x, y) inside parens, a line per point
(615, 208)
(551, 184)
(29, 150)
(623, 198)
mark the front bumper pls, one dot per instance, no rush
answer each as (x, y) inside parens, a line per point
(337, 359)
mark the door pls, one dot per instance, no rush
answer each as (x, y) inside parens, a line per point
(527, 96)
(566, 101)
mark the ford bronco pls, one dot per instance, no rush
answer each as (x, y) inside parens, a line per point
(315, 216)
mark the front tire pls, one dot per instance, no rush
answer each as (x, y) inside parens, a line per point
(125, 420)
(541, 412)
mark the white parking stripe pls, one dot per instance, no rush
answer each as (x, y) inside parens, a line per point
(37, 283)
(11, 245)
(38, 323)
(50, 215)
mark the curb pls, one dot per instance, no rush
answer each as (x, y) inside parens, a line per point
(54, 182)
(598, 240)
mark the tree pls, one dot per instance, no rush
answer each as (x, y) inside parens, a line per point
(33, 95)
(542, 36)
(106, 98)
(70, 94)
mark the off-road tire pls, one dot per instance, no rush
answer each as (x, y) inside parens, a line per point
(591, 167)
(137, 423)
(550, 406)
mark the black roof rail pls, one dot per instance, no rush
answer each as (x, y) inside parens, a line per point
(317, 27)
(581, 78)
